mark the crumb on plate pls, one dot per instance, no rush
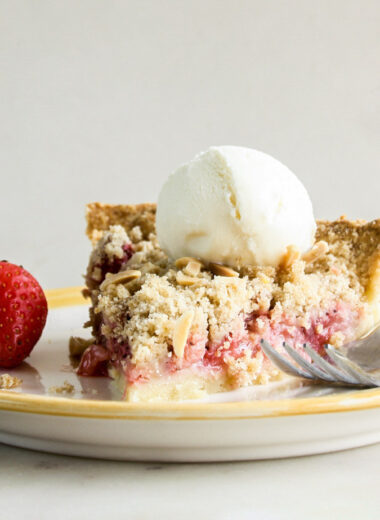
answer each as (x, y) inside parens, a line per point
(7, 382)
(66, 388)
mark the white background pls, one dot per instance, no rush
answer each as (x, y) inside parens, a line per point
(101, 100)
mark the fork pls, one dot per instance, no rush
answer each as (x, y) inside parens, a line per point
(353, 369)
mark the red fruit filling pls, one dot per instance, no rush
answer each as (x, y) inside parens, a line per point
(201, 354)
(323, 325)
(94, 361)
(95, 358)
(113, 265)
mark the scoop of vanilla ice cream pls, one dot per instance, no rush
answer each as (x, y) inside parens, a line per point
(235, 206)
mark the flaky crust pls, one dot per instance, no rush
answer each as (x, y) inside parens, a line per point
(356, 244)
(101, 216)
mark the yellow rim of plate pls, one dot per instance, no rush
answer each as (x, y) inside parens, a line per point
(85, 408)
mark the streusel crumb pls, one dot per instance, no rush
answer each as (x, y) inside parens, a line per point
(66, 388)
(8, 382)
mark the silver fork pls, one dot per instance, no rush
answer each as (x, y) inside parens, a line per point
(356, 368)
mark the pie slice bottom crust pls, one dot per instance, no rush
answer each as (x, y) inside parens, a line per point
(174, 330)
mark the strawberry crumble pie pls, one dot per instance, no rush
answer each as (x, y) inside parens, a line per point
(179, 328)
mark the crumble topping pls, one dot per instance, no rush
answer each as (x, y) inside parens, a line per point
(136, 234)
(8, 382)
(108, 249)
(155, 303)
(219, 298)
(181, 333)
(247, 370)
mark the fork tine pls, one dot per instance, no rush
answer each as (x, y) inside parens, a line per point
(281, 362)
(335, 373)
(350, 367)
(306, 365)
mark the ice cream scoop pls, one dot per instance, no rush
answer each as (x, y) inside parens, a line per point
(235, 206)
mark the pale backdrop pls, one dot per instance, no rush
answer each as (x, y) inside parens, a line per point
(100, 100)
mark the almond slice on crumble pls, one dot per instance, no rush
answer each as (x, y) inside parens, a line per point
(317, 251)
(189, 265)
(185, 280)
(182, 262)
(181, 333)
(291, 255)
(223, 270)
(192, 268)
(122, 277)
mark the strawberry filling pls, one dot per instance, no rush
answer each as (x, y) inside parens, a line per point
(95, 358)
(94, 361)
(339, 318)
(201, 354)
(110, 265)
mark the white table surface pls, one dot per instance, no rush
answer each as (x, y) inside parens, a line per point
(343, 485)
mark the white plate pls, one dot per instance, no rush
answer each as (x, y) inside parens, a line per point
(92, 421)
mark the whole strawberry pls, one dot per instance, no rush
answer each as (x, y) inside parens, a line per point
(23, 312)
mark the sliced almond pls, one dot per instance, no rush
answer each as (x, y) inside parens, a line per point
(182, 262)
(290, 256)
(317, 251)
(223, 270)
(181, 333)
(192, 268)
(183, 279)
(122, 277)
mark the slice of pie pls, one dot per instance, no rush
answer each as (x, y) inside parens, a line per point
(172, 330)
